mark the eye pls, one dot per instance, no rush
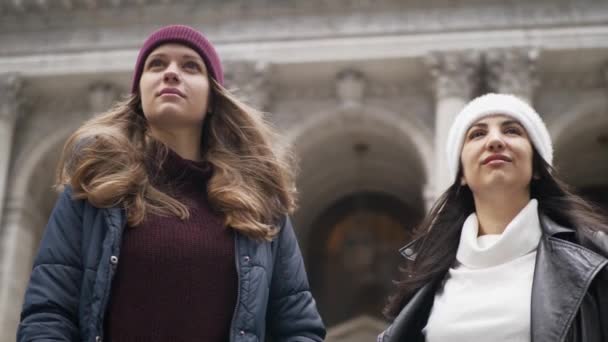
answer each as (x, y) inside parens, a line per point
(476, 134)
(513, 130)
(155, 63)
(192, 65)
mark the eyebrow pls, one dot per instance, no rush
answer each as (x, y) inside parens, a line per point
(197, 57)
(504, 123)
(185, 56)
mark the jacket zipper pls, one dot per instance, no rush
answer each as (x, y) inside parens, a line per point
(112, 269)
(238, 288)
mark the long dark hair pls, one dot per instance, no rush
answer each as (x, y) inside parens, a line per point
(439, 233)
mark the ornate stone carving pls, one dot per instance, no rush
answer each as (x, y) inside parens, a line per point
(350, 87)
(512, 71)
(116, 3)
(67, 4)
(251, 80)
(11, 86)
(101, 96)
(43, 4)
(455, 74)
(18, 5)
(604, 75)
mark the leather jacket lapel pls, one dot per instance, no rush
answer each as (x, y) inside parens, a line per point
(563, 273)
(416, 309)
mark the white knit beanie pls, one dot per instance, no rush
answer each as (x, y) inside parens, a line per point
(493, 104)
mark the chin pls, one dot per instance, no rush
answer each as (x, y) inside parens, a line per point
(174, 114)
(506, 183)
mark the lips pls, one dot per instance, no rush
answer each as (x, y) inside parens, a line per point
(173, 91)
(496, 157)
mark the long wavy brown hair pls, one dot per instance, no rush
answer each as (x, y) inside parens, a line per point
(252, 185)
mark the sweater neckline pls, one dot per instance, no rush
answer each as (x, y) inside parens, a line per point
(179, 172)
(520, 237)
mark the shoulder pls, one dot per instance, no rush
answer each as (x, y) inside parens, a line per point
(66, 202)
(70, 205)
(594, 239)
(282, 225)
(285, 240)
(598, 241)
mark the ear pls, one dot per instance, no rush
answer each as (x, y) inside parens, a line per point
(463, 181)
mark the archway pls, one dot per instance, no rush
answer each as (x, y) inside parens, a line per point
(354, 257)
(361, 184)
(581, 153)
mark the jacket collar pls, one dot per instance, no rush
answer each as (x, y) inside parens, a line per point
(562, 276)
(116, 218)
(551, 228)
(408, 325)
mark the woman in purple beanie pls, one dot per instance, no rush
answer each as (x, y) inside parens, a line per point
(173, 218)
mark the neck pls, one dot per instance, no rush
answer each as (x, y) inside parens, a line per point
(496, 209)
(185, 142)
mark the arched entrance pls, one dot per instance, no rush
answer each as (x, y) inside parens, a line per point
(361, 184)
(581, 155)
(354, 255)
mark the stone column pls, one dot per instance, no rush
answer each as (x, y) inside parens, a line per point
(513, 71)
(455, 78)
(11, 284)
(10, 89)
(18, 239)
(251, 82)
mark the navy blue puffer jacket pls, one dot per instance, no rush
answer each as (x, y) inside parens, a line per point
(71, 280)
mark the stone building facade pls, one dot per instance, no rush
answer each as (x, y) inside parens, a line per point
(365, 90)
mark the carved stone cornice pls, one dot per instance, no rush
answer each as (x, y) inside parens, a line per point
(554, 10)
(24, 6)
(513, 71)
(251, 81)
(455, 74)
(11, 86)
(287, 20)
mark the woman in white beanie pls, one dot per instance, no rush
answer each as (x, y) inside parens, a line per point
(507, 253)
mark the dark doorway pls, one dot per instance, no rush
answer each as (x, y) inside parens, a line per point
(353, 254)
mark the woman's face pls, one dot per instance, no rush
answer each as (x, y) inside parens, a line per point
(174, 87)
(497, 153)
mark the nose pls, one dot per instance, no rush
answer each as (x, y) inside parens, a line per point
(495, 142)
(171, 75)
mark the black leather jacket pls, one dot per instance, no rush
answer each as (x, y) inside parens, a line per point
(569, 292)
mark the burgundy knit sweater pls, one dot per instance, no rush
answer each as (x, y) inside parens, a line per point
(176, 280)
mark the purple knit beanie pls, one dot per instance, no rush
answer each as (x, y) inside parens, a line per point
(182, 35)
